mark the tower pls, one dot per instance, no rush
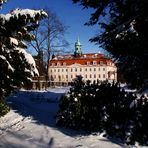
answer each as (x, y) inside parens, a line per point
(78, 51)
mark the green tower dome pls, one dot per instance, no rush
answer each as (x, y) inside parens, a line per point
(78, 51)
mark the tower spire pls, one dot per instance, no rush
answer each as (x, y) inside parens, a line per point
(78, 39)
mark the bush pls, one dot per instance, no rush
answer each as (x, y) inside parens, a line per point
(105, 106)
(3, 108)
(139, 131)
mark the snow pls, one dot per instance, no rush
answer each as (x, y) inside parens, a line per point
(32, 13)
(2, 57)
(22, 12)
(132, 29)
(13, 41)
(30, 60)
(31, 124)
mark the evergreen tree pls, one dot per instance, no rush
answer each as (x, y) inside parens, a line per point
(105, 106)
(17, 66)
(124, 34)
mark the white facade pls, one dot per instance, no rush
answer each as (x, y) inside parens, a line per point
(61, 70)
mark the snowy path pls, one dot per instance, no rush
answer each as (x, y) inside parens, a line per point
(31, 124)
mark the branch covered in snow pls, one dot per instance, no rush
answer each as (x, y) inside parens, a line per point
(17, 66)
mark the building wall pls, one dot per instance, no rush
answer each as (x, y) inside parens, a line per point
(66, 73)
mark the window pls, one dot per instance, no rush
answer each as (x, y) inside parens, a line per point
(85, 76)
(66, 70)
(98, 69)
(90, 75)
(103, 69)
(67, 76)
(62, 70)
(58, 70)
(99, 76)
(94, 75)
(51, 77)
(85, 69)
(51, 70)
(94, 69)
(90, 69)
(80, 69)
(75, 69)
(71, 70)
(54, 70)
(103, 75)
(59, 78)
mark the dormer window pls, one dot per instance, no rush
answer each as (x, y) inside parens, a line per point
(64, 64)
(101, 62)
(53, 64)
(88, 63)
(58, 64)
(94, 63)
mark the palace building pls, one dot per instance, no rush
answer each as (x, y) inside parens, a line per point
(91, 66)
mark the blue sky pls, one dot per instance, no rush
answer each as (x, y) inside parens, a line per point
(70, 14)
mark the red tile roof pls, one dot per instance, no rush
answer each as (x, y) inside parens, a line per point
(83, 60)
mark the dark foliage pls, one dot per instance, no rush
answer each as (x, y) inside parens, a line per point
(105, 106)
(124, 34)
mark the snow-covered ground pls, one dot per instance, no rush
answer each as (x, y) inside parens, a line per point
(31, 124)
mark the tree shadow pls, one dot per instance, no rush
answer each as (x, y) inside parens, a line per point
(43, 111)
(35, 105)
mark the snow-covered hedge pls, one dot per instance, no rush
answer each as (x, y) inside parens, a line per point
(105, 107)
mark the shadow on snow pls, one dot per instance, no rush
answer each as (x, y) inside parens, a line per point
(42, 107)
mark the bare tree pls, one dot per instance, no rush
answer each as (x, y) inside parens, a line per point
(49, 38)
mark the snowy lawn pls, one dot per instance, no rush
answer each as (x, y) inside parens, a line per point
(31, 124)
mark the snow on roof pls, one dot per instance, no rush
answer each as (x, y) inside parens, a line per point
(87, 55)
